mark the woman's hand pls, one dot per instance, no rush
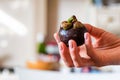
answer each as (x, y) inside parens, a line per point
(104, 51)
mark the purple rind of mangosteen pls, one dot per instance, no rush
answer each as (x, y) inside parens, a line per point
(72, 34)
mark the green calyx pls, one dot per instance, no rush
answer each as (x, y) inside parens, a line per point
(72, 19)
(77, 24)
(66, 25)
(71, 22)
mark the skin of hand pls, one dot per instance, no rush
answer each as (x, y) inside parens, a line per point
(104, 51)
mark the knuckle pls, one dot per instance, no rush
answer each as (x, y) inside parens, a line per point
(77, 66)
(70, 65)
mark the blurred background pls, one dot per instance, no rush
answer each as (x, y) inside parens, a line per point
(27, 28)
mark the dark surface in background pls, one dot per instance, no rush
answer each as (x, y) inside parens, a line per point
(106, 2)
(11, 70)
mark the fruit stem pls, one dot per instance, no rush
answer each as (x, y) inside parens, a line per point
(72, 19)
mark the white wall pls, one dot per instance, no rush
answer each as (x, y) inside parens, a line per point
(20, 48)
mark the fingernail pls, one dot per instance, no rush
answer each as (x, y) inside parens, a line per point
(71, 44)
(86, 36)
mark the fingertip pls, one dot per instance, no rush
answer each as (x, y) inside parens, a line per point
(86, 35)
(72, 44)
(69, 42)
(72, 41)
(88, 27)
(87, 39)
(54, 35)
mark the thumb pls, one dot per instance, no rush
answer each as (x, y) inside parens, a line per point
(94, 31)
(89, 47)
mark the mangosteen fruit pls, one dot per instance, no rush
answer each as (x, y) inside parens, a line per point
(72, 29)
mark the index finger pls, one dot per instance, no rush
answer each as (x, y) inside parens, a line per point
(57, 38)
